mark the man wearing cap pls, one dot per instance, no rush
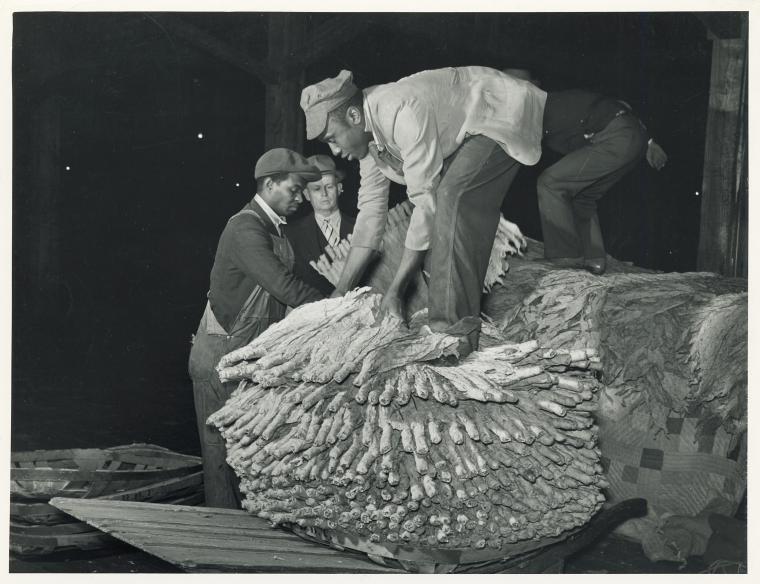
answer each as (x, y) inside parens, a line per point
(251, 285)
(455, 137)
(327, 225)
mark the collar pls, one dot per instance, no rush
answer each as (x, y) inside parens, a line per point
(369, 125)
(333, 218)
(276, 219)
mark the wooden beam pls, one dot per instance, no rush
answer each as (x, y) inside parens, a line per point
(327, 37)
(215, 46)
(724, 181)
(284, 120)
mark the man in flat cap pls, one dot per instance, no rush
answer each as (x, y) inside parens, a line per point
(252, 283)
(325, 226)
(455, 137)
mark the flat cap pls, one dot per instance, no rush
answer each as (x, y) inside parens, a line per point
(326, 165)
(318, 100)
(280, 160)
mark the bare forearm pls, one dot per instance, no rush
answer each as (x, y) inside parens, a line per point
(411, 263)
(356, 263)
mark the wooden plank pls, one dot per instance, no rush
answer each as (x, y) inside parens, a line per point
(723, 197)
(128, 452)
(158, 490)
(220, 527)
(171, 514)
(50, 530)
(224, 539)
(97, 488)
(69, 454)
(66, 474)
(255, 561)
(211, 539)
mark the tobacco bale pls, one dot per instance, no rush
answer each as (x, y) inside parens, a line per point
(338, 454)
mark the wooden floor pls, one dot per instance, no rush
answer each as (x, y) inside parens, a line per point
(192, 538)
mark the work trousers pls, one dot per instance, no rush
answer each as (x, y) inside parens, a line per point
(568, 190)
(474, 182)
(221, 485)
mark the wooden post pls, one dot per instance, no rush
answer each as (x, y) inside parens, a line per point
(284, 124)
(722, 239)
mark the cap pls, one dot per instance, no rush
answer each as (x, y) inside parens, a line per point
(280, 160)
(326, 165)
(318, 100)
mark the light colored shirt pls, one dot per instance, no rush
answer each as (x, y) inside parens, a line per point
(422, 119)
(276, 219)
(334, 221)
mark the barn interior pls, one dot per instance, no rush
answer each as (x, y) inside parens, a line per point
(135, 137)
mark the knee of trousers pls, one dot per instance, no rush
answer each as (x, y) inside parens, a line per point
(547, 187)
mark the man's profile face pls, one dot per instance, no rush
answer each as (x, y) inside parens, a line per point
(323, 194)
(346, 137)
(285, 197)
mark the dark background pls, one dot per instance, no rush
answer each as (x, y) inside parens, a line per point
(111, 256)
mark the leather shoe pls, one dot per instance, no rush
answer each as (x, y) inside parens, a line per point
(596, 266)
(566, 262)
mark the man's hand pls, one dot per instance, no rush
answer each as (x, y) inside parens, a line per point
(515, 238)
(410, 265)
(656, 156)
(393, 305)
(330, 264)
(329, 270)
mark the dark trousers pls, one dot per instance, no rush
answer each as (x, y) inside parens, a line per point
(569, 190)
(473, 185)
(221, 485)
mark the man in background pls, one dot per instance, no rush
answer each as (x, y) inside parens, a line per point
(600, 140)
(251, 285)
(325, 226)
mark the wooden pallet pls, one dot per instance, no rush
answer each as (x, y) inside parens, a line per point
(223, 540)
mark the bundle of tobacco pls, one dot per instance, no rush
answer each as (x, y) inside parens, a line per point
(509, 240)
(373, 429)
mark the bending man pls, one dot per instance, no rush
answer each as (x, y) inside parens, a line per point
(455, 137)
(601, 140)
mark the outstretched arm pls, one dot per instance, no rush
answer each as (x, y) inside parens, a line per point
(411, 263)
(369, 227)
(356, 263)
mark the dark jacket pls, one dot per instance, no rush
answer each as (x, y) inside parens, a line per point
(309, 243)
(570, 114)
(245, 258)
